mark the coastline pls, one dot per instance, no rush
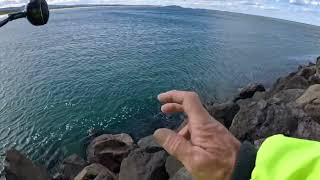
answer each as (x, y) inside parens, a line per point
(291, 107)
(4, 11)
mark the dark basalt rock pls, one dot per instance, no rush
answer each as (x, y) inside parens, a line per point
(173, 165)
(95, 172)
(224, 112)
(310, 102)
(19, 167)
(292, 81)
(182, 174)
(261, 119)
(109, 150)
(148, 142)
(249, 91)
(72, 165)
(144, 164)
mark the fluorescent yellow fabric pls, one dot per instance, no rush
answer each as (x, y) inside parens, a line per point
(284, 158)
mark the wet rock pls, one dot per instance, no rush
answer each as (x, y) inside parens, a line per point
(144, 164)
(21, 168)
(310, 101)
(318, 65)
(72, 165)
(288, 95)
(224, 112)
(249, 91)
(292, 81)
(173, 165)
(314, 79)
(60, 176)
(308, 129)
(182, 174)
(306, 72)
(260, 95)
(95, 172)
(109, 150)
(260, 119)
(148, 141)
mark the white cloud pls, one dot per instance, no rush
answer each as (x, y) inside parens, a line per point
(305, 2)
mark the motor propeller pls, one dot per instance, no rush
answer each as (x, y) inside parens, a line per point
(37, 13)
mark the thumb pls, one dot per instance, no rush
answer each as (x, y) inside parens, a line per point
(175, 144)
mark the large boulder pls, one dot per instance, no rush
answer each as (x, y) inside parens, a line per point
(318, 65)
(308, 129)
(60, 176)
(288, 95)
(261, 119)
(95, 172)
(182, 174)
(144, 164)
(148, 142)
(173, 165)
(292, 81)
(310, 101)
(224, 112)
(19, 167)
(72, 165)
(249, 91)
(314, 79)
(109, 150)
(307, 72)
(282, 113)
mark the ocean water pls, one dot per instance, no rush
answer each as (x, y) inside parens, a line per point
(102, 68)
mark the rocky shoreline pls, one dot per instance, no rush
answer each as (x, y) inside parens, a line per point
(291, 107)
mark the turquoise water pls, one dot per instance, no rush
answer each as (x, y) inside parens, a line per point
(103, 67)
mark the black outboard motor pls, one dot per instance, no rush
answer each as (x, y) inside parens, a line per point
(37, 12)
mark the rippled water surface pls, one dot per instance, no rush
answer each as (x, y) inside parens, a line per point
(103, 67)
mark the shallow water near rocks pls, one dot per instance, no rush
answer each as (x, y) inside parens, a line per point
(102, 68)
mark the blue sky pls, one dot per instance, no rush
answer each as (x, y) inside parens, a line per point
(306, 11)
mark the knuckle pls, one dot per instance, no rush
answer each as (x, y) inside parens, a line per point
(173, 144)
(193, 94)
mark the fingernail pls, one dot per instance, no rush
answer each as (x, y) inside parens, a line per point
(159, 96)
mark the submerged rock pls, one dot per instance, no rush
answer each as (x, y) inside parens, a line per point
(109, 150)
(21, 168)
(95, 172)
(144, 164)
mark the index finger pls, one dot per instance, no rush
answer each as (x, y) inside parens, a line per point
(190, 102)
(173, 96)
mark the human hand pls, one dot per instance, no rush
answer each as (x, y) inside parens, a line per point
(204, 146)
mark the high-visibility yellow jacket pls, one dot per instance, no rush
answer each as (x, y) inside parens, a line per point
(279, 158)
